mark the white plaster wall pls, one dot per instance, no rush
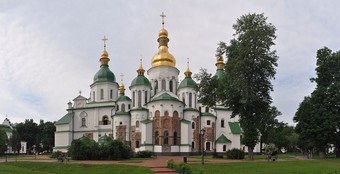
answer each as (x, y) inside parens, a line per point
(186, 134)
(175, 149)
(163, 72)
(106, 86)
(157, 148)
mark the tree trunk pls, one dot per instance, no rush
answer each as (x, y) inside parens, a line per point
(261, 144)
(337, 147)
(250, 153)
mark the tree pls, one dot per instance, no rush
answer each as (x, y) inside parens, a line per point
(46, 135)
(207, 84)
(3, 141)
(248, 73)
(28, 131)
(15, 141)
(318, 119)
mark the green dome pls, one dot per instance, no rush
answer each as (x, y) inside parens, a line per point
(123, 98)
(188, 82)
(104, 139)
(84, 139)
(104, 75)
(219, 74)
(140, 80)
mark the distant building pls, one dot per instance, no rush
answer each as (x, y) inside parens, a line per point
(8, 128)
(161, 115)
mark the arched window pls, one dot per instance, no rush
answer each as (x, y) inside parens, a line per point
(111, 94)
(183, 97)
(192, 145)
(193, 125)
(166, 137)
(129, 106)
(146, 97)
(94, 96)
(224, 148)
(175, 138)
(83, 122)
(139, 98)
(222, 123)
(101, 94)
(163, 85)
(171, 85)
(123, 107)
(133, 98)
(137, 144)
(117, 108)
(105, 120)
(137, 123)
(207, 146)
(206, 109)
(157, 113)
(157, 138)
(190, 100)
(156, 87)
(166, 113)
(195, 100)
(208, 122)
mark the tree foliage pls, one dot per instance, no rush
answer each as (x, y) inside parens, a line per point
(28, 132)
(15, 141)
(318, 119)
(207, 87)
(3, 141)
(248, 73)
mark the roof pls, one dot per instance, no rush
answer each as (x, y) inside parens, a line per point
(188, 82)
(79, 97)
(104, 139)
(147, 121)
(223, 139)
(123, 98)
(65, 119)
(104, 75)
(208, 114)
(235, 127)
(219, 74)
(140, 80)
(139, 109)
(165, 96)
(122, 113)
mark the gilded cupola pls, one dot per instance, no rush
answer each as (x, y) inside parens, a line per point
(163, 57)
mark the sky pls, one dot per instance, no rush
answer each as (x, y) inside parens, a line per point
(50, 50)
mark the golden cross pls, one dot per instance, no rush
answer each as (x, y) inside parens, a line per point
(163, 16)
(104, 40)
(121, 76)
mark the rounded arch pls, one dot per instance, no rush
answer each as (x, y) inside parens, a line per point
(166, 113)
(105, 120)
(175, 114)
(137, 123)
(157, 113)
(122, 107)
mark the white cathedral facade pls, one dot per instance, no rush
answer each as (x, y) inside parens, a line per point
(161, 115)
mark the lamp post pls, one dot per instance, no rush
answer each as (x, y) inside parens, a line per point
(202, 133)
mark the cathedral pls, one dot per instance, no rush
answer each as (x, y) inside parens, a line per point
(162, 115)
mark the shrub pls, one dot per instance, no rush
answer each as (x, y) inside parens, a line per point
(55, 154)
(235, 154)
(171, 164)
(181, 168)
(144, 154)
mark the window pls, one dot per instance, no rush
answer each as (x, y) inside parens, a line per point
(83, 122)
(183, 97)
(137, 144)
(171, 86)
(101, 94)
(166, 113)
(156, 87)
(224, 148)
(157, 113)
(105, 120)
(94, 96)
(175, 138)
(123, 107)
(166, 137)
(192, 145)
(133, 98)
(139, 98)
(163, 85)
(193, 125)
(129, 106)
(137, 123)
(190, 100)
(157, 138)
(117, 108)
(207, 146)
(111, 94)
(146, 97)
(120, 123)
(208, 122)
(222, 123)
(206, 109)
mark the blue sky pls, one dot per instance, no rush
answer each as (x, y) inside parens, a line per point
(49, 50)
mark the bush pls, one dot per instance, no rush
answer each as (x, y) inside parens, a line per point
(235, 154)
(144, 154)
(55, 154)
(181, 168)
(171, 164)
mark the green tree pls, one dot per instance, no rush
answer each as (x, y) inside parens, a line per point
(3, 141)
(28, 132)
(248, 73)
(207, 85)
(15, 141)
(46, 135)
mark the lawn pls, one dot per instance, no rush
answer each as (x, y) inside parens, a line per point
(62, 168)
(282, 167)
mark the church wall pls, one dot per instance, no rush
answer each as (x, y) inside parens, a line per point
(106, 86)
(184, 95)
(163, 72)
(134, 98)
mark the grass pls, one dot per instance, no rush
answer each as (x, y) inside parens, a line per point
(283, 167)
(61, 168)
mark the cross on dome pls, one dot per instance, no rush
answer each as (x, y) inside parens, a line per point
(104, 40)
(163, 16)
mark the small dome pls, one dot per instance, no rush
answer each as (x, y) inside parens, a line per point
(163, 33)
(105, 54)
(104, 75)
(84, 139)
(104, 139)
(122, 98)
(140, 80)
(188, 82)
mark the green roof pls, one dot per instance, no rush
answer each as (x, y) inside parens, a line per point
(140, 80)
(190, 109)
(188, 82)
(6, 128)
(235, 127)
(208, 114)
(122, 113)
(165, 96)
(147, 121)
(223, 139)
(123, 98)
(104, 139)
(185, 121)
(65, 119)
(104, 75)
(139, 109)
(219, 74)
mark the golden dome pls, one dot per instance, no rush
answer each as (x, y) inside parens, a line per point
(140, 70)
(219, 64)
(121, 88)
(163, 57)
(104, 59)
